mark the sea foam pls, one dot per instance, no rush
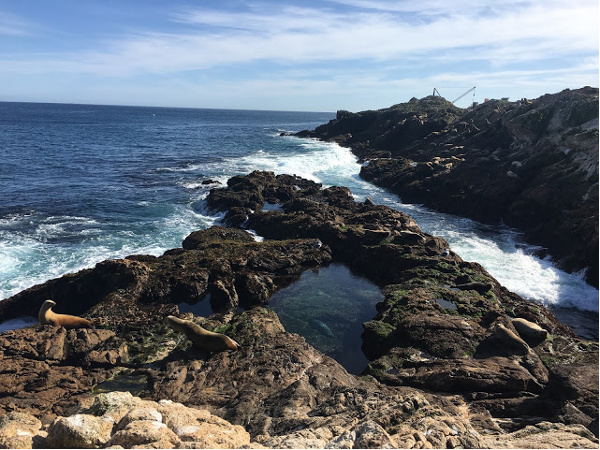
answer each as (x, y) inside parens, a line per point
(499, 249)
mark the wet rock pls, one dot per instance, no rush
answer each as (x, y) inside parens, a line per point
(198, 239)
(430, 363)
(533, 165)
(459, 346)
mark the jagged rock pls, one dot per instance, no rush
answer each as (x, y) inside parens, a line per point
(116, 405)
(457, 343)
(428, 342)
(533, 165)
(545, 435)
(137, 289)
(200, 428)
(366, 435)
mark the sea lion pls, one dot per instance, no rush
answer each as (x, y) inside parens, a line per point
(201, 338)
(512, 341)
(529, 331)
(48, 317)
(407, 237)
(480, 288)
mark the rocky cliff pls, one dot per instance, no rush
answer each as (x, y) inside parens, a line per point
(532, 164)
(447, 366)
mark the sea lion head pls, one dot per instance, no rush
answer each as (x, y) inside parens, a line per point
(172, 319)
(45, 311)
(49, 304)
(175, 322)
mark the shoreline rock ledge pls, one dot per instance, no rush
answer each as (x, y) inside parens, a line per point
(438, 377)
(532, 164)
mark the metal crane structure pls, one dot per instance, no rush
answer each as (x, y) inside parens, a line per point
(436, 92)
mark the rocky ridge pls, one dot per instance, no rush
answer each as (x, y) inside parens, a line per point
(532, 164)
(438, 378)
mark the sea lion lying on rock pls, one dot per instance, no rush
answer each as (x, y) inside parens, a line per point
(411, 237)
(202, 338)
(529, 331)
(513, 342)
(48, 317)
(480, 288)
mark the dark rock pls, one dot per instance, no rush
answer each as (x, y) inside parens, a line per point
(533, 165)
(427, 361)
(459, 347)
(481, 288)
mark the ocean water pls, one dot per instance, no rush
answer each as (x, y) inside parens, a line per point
(80, 184)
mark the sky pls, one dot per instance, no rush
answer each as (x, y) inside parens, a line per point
(295, 55)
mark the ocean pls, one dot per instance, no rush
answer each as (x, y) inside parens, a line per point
(80, 184)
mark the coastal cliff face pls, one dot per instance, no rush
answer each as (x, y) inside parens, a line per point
(532, 164)
(447, 368)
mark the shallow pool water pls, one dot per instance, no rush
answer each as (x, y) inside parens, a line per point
(19, 322)
(201, 308)
(328, 307)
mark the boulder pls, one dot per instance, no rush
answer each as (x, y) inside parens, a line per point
(19, 430)
(79, 431)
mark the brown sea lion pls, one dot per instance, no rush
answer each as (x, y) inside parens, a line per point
(48, 317)
(529, 331)
(511, 340)
(201, 338)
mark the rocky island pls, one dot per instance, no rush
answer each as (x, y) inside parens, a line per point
(455, 359)
(532, 164)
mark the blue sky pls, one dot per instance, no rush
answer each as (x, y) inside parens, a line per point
(293, 55)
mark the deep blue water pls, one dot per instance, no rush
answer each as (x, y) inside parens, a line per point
(80, 184)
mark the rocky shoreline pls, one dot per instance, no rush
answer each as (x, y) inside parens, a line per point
(440, 376)
(532, 164)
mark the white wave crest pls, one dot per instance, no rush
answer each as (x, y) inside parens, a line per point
(322, 162)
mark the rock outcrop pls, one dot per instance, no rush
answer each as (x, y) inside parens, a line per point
(532, 164)
(438, 377)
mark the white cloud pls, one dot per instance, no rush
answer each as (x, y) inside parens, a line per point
(292, 35)
(368, 52)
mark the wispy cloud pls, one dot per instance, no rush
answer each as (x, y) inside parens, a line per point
(290, 35)
(12, 25)
(336, 47)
